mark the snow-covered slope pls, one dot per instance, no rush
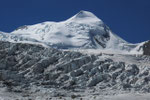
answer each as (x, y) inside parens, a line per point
(82, 31)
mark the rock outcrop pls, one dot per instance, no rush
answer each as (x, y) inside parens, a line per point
(146, 48)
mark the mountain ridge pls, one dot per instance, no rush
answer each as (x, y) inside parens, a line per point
(82, 31)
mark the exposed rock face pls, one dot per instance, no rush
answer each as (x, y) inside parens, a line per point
(26, 65)
(146, 48)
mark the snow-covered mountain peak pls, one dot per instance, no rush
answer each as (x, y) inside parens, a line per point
(84, 14)
(85, 17)
(82, 31)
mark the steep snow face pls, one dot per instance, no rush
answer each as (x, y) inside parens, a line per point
(83, 30)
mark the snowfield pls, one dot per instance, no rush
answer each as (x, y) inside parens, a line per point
(82, 31)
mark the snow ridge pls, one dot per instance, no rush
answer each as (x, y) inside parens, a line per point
(82, 31)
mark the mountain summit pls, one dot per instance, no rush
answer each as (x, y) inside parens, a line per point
(85, 14)
(82, 31)
(85, 17)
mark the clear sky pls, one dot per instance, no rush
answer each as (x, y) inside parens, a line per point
(130, 19)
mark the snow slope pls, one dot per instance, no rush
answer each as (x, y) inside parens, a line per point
(82, 31)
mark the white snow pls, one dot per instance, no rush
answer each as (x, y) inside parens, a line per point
(78, 32)
(72, 33)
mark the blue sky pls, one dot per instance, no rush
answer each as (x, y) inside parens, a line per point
(130, 19)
